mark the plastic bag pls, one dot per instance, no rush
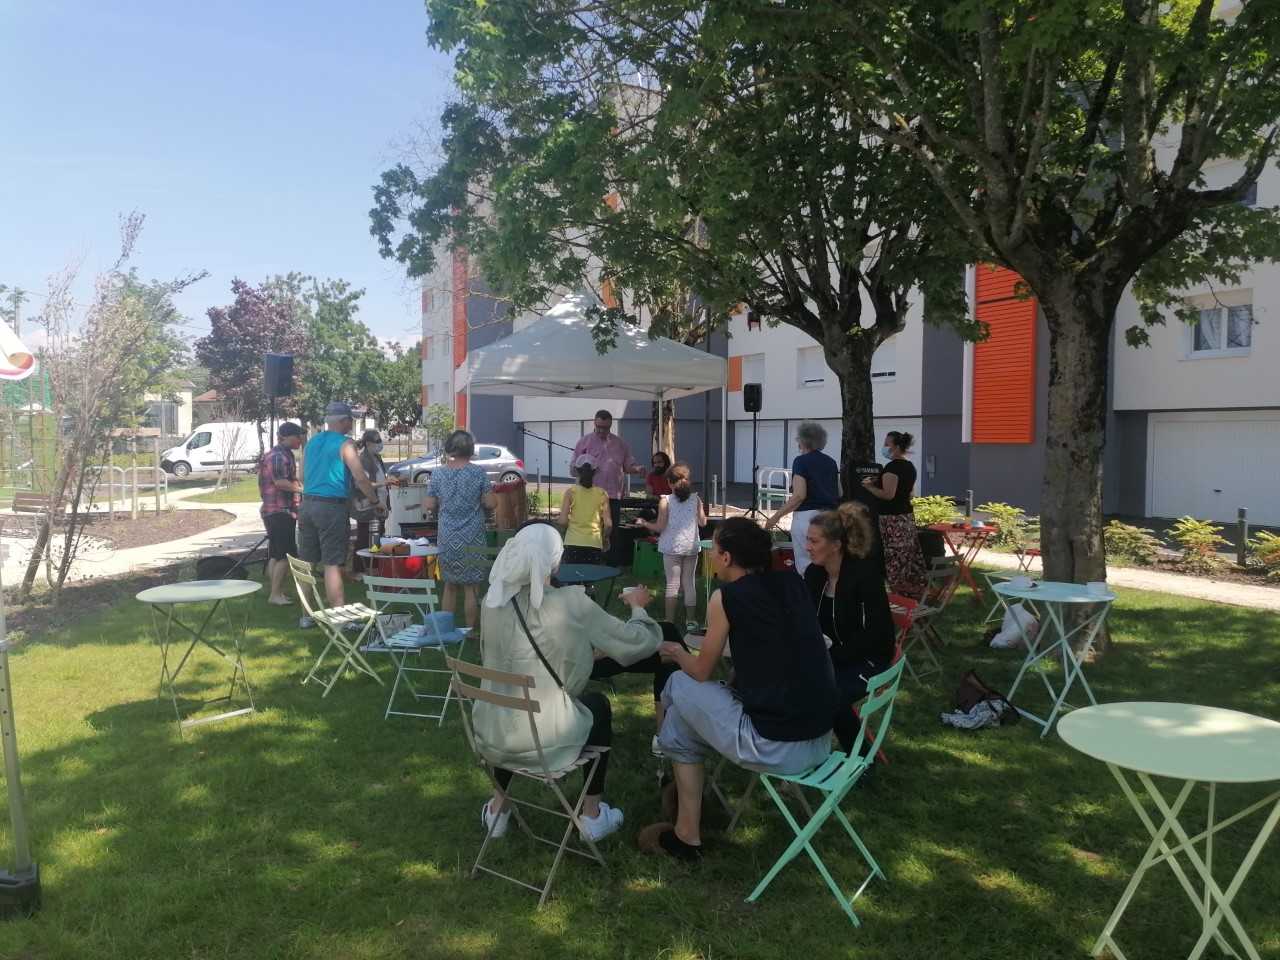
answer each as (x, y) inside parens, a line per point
(1010, 637)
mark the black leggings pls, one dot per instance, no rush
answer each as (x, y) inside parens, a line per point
(851, 683)
(601, 735)
(608, 667)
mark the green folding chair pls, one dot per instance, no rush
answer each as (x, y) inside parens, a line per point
(835, 777)
(415, 641)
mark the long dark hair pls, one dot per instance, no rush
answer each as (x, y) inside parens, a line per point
(680, 486)
(666, 463)
(748, 545)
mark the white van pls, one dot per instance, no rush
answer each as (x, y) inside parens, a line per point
(212, 446)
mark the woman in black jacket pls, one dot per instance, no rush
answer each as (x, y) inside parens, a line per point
(846, 585)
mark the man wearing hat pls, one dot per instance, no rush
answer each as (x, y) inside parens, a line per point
(331, 463)
(279, 488)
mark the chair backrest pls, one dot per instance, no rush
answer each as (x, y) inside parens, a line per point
(305, 582)
(474, 693)
(942, 580)
(903, 611)
(386, 592)
(882, 691)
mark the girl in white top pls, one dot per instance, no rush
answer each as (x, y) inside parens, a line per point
(679, 517)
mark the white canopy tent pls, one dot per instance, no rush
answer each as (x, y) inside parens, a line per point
(555, 356)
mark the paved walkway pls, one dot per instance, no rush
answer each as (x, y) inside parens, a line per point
(239, 534)
(1136, 578)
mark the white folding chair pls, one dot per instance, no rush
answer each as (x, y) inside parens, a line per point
(415, 640)
(333, 622)
(519, 701)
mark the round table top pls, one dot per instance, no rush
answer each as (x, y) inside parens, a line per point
(1053, 591)
(1180, 740)
(570, 574)
(199, 591)
(432, 550)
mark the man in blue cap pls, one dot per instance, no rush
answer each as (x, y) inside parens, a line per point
(330, 465)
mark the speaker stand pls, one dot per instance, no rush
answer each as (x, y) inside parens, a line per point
(755, 513)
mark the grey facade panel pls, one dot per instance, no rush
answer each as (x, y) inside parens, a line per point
(945, 469)
(1124, 484)
(942, 372)
(490, 418)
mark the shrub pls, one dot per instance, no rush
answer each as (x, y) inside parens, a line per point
(1011, 521)
(934, 510)
(1265, 549)
(1199, 540)
(1125, 543)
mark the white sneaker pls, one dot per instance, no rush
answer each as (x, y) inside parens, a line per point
(655, 748)
(497, 825)
(597, 828)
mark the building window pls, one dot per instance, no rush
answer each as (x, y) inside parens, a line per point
(753, 368)
(884, 362)
(426, 347)
(1223, 331)
(162, 415)
(811, 368)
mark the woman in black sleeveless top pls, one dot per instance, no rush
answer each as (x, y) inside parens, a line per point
(775, 714)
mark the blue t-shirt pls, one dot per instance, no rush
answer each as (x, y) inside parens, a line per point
(821, 478)
(324, 474)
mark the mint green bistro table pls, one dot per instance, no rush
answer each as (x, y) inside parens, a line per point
(1050, 599)
(1197, 745)
(164, 602)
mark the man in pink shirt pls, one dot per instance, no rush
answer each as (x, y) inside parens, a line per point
(612, 457)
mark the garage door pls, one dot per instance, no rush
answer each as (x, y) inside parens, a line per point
(770, 451)
(1207, 465)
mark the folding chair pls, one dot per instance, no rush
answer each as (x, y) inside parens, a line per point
(332, 622)
(586, 761)
(916, 633)
(1001, 605)
(835, 777)
(1028, 548)
(412, 641)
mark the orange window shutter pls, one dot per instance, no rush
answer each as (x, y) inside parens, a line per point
(459, 307)
(460, 410)
(609, 294)
(1004, 365)
(735, 374)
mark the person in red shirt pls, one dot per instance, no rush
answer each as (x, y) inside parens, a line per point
(657, 482)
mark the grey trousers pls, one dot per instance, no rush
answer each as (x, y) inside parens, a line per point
(705, 718)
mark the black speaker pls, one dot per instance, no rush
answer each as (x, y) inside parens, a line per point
(278, 374)
(752, 397)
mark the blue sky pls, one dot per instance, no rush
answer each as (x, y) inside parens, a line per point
(249, 133)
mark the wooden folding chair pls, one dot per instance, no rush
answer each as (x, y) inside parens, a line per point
(415, 640)
(834, 778)
(519, 700)
(333, 622)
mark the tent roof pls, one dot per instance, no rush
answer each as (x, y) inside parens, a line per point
(555, 356)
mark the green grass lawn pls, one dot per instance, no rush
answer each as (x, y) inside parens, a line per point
(242, 490)
(316, 829)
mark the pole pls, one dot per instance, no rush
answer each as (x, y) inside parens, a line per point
(156, 478)
(1242, 547)
(31, 429)
(724, 447)
(133, 469)
(272, 438)
(968, 504)
(706, 435)
(20, 888)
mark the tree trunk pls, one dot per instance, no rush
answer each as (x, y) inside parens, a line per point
(850, 359)
(1071, 499)
(662, 427)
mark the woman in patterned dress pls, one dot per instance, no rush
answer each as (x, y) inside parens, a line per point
(460, 493)
(903, 561)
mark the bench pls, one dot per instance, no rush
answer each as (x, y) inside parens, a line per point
(24, 502)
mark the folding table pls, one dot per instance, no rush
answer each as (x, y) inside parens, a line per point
(584, 574)
(1197, 745)
(1050, 601)
(964, 541)
(164, 601)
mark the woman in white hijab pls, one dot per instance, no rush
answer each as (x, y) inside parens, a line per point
(565, 629)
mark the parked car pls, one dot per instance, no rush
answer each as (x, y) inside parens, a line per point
(501, 464)
(213, 446)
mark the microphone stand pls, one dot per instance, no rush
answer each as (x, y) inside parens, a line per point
(550, 443)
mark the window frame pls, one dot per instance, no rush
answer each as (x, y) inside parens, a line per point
(1222, 350)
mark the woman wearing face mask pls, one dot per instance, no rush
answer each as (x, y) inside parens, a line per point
(903, 560)
(369, 447)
